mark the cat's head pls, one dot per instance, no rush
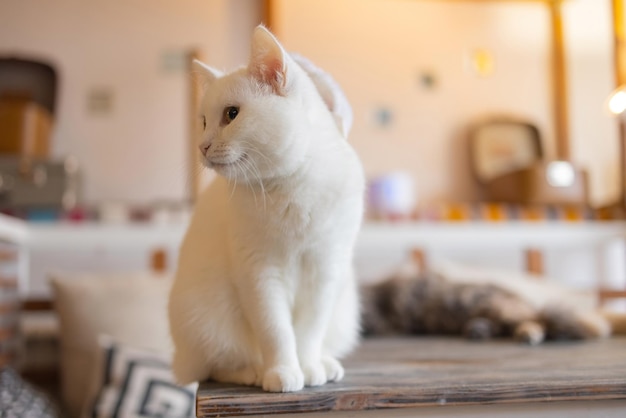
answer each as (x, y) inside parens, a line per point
(261, 121)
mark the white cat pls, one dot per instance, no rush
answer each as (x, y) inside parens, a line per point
(265, 293)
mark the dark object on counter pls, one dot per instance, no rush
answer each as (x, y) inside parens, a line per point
(552, 183)
(508, 163)
(44, 186)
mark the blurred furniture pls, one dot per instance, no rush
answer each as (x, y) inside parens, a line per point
(619, 56)
(549, 183)
(95, 248)
(125, 308)
(274, 15)
(38, 188)
(499, 145)
(9, 306)
(25, 128)
(508, 162)
(29, 181)
(449, 377)
(29, 79)
(92, 254)
(194, 91)
(27, 104)
(585, 254)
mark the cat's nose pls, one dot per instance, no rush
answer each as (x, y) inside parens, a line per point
(204, 148)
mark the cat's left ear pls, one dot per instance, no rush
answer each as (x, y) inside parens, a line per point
(269, 61)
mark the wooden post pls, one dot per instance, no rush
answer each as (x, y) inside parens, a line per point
(534, 261)
(193, 180)
(268, 13)
(559, 82)
(158, 261)
(619, 42)
(619, 60)
(419, 257)
(604, 295)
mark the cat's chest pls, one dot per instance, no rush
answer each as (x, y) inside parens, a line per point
(291, 214)
(305, 212)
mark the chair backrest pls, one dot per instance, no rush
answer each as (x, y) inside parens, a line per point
(500, 144)
(33, 80)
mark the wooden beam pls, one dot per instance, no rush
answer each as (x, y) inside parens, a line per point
(559, 83)
(158, 260)
(268, 13)
(419, 258)
(619, 57)
(534, 261)
(605, 295)
(619, 53)
(193, 174)
(37, 305)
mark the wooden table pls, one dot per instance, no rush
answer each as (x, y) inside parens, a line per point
(445, 377)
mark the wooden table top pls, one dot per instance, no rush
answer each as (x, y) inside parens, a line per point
(409, 373)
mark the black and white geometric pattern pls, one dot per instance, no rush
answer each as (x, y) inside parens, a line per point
(136, 383)
(18, 399)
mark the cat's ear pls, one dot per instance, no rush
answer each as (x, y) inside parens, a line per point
(269, 61)
(207, 72)
(331, 93)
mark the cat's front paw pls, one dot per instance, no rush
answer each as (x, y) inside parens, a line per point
(283, 379)
(334, 369)
(326, 370)
(314, 374)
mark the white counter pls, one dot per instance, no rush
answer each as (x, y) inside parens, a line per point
(580, 254)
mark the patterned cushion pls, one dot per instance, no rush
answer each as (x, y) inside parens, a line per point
(130, 307)
(19, 399)
(139, 383)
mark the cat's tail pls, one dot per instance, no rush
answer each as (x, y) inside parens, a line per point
(617, 321)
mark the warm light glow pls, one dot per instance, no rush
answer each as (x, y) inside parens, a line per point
(617, 101)
(560, 174)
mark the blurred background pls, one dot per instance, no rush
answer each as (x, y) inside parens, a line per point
(491, 133)
(418, 74)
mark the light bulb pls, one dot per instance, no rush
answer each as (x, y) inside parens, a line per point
(560, 174)
(617, 102)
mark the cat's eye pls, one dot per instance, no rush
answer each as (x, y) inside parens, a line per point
(230, 113)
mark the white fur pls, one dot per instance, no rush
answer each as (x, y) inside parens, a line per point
(264, 293)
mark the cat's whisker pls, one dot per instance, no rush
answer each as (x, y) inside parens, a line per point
(243, 165)
(248, 148)
(253, 169)
(196, 170)
(249, 170)
(263, 193)
(258, 175)
(258, 172)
